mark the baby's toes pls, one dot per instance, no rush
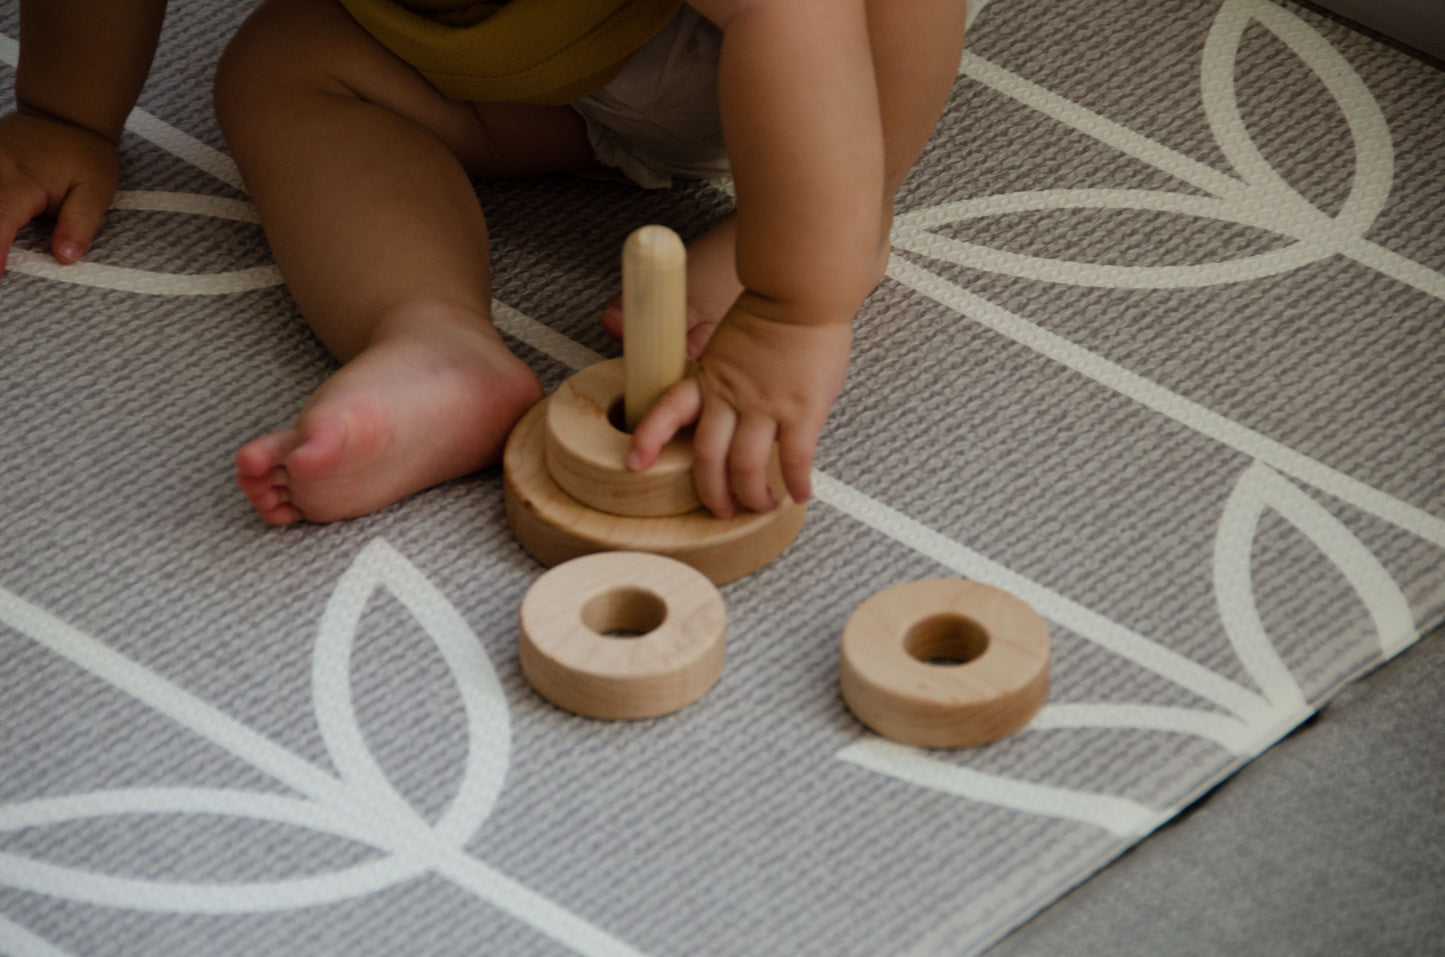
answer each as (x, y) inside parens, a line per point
(270, 498)
(282, 514)
(256, 486)
(259, 458)
(265, 492)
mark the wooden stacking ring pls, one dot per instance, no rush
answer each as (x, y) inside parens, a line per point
(587, 451)
(568, 490)
(621, 635)
(554, 527)
(945, 663)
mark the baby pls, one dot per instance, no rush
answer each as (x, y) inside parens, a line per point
(359, 126)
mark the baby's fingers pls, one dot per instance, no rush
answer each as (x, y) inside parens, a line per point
(711, 446)
(80, 215)
(795, 454)
(678, 407)
(752, 448)
(18, 206)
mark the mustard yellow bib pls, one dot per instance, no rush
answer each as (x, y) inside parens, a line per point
(532, 51)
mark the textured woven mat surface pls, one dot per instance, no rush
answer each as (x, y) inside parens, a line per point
(1158, 352)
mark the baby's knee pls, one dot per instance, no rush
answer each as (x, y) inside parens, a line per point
(241, 71)
(271, 55)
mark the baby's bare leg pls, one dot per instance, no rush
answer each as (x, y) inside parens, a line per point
(359, 169)
(916, 49)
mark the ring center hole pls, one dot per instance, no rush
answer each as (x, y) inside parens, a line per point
(617, 415)
(624, 613)
(617, 418)
(946, 640)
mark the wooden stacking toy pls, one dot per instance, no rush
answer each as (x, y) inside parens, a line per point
(945, 663)
(568, 489)
(622, 635)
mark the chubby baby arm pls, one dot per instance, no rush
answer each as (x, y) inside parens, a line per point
(800, 114)
(802, 122)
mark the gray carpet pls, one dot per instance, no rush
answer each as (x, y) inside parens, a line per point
(1158, 353)
(1330, 843)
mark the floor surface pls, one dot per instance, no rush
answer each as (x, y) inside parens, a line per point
(1332, 842)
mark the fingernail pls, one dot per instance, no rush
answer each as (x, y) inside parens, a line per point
(68, 251)
(634, 461)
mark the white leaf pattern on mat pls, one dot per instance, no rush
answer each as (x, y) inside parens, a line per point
(359, 805)
(1247, 732)
(1118, 816)
(1261, 199)
(16, 941)
(1257, 197)
(488, 721)
(1261, 488)
(151, 282)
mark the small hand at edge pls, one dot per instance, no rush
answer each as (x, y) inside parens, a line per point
(47, 166)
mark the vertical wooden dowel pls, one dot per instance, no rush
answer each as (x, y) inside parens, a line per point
(654, 324)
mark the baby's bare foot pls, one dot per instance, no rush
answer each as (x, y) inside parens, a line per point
(712, 287)
(408, 413)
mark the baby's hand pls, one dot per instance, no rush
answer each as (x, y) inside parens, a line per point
(47, 166)
(758, 382)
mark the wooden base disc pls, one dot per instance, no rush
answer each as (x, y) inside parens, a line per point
(945, 663)
(554, 527)
(671, 650)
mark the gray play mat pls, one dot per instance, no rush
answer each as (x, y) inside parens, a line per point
(1159, 352)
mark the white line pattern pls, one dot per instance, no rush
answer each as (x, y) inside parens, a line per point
(1262, 199)
(16, 941)
(359, 804)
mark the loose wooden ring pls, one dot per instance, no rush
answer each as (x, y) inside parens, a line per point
(674, 612)
(945, 663)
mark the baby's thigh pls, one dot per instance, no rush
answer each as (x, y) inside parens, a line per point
(301, 55)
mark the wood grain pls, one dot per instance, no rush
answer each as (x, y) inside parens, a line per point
(554, 527)
(673, 654)
(587, 452)
(945, 663)
(654, 317)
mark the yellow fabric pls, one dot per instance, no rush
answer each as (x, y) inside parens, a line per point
(533, 51)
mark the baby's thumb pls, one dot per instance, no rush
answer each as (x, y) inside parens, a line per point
(79, 217)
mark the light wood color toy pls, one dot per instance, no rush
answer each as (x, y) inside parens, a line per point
(945, 663)
(654, 302)
(669, 652)
(568, 489)
(586, 451)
